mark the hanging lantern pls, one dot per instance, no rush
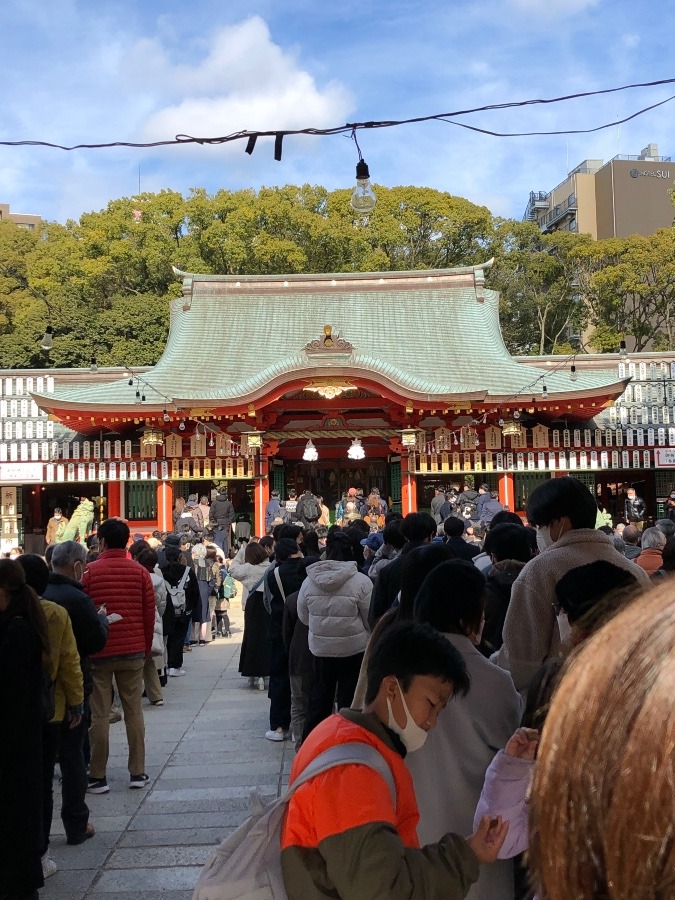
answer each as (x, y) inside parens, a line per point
(152, 437)
(511, 428)
(356, 450)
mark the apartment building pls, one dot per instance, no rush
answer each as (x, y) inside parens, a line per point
(627, 195)
(30, 223)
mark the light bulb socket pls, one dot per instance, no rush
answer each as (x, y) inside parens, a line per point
(544, 392)
(142, 398)
(166, 416)
(93, 366)
(362, 172)
(131, 382)
(181, 425)
(573, 373)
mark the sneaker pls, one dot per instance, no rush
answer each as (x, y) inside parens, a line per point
(97, 786)
(202, 643)
(187, 648)
(174, 673)
(278, 735)
(138, 781)
(49, 867)
(156, 703)
(261, 684)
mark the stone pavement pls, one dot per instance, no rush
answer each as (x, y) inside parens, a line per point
(205, 752)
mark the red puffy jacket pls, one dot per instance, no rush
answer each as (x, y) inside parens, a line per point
(125, 587)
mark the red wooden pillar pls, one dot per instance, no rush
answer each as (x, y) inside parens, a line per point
(262, 496)
(408, 486)
(165, 505)
(114, 498)
(507, 490)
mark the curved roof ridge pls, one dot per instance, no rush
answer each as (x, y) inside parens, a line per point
(411, 274)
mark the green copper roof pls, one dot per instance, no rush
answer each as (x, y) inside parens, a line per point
(427, 335)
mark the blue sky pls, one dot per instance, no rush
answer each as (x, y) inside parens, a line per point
(76, 71)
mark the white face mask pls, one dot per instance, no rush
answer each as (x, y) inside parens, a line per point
(57, 516)
(412, 735)
(544, 538)
(563, 625)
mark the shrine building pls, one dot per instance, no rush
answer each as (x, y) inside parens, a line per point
(394, 380)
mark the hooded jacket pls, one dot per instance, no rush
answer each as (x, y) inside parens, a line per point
(333, 602)
(531, 634)
(343, 836)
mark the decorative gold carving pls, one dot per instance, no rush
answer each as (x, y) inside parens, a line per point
(329, 342)
(329, 390)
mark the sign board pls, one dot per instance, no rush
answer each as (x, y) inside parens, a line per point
(22, 473)
(663, 457)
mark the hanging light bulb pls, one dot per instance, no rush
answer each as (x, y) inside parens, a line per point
(131, 382)
(212, 443)
(356, 450)
(622, 349)
(310, 454)
(181, 425)
(573, 373)
(363, 197)
(93, 367)
(516, 413)
(544, 392)
(138, 396)
(500, 422)
(47, 338)
(166, 416)
(142, 398)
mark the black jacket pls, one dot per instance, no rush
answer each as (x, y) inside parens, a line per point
(222, 512)
(90, 629)
(499, 581)
(462, 549)
(388, 584)
(635, 509)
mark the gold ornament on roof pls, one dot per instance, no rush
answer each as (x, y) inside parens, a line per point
(329, 342)
(329, 389)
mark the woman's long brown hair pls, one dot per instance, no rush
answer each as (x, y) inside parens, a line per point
(603, 799)
(24, 602)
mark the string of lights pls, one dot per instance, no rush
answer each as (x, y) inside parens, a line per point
(351, 128)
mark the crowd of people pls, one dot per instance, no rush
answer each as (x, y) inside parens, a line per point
(453, 656)
(461, 647)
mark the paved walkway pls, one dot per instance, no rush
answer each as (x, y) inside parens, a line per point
(205, 751)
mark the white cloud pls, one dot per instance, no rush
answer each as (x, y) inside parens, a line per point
(244, 81)
(630, 40)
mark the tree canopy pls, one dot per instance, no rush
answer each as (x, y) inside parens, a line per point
(104, 282)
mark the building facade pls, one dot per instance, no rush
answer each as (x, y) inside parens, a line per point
(327, 382)
(627, 195)
(30, 223)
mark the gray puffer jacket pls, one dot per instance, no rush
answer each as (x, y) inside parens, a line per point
(333, 602)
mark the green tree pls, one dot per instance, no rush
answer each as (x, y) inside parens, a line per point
(541, 310)
(629, 289)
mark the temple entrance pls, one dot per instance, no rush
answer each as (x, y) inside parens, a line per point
(330, 478)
